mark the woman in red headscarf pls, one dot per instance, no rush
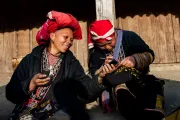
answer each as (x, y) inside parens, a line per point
(46, 83)
(135, 94)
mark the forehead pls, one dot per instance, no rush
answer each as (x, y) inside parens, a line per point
(103, 42)
(65, 31)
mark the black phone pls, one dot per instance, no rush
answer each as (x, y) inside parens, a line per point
(114, 62)
(46, 72)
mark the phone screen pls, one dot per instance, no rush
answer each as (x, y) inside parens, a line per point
(114, 62)
(46, 72)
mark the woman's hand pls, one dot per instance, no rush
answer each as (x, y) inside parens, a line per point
(128, 62)
(108, 59)
(38, 80)
(105, 69)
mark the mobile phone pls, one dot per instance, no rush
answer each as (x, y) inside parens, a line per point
(46, 72)
(114, 62)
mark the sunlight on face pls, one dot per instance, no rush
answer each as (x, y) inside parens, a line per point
(62, 40)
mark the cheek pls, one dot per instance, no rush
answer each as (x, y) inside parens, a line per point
(102, 48)
(113, 44)
(109, 47)
(60, 40)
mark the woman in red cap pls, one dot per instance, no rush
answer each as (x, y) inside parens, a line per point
(135, 93)
(46, 83)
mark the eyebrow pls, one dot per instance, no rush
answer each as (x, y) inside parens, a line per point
(104, 43)
(66, 34)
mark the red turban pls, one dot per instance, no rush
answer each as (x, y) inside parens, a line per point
(99, 31)
(58, 20)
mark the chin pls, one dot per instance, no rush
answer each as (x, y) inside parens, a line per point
(110, 50)
(64, 50)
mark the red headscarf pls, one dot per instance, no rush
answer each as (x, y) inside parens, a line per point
(99, 31)
(57, 20)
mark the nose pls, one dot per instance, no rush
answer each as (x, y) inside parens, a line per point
(108, 47)
(69, 41)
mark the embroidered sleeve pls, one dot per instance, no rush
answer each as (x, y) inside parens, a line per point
(143, 60)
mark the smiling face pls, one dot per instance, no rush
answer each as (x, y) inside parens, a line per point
(61, 41)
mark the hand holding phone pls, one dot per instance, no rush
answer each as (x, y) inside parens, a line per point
(39, 79)
(46, 72)
(114, 62)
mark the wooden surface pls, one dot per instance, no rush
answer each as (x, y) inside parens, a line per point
(176, 32)
(23, 42)
(16, 43)
(80, 48)
(158, 24)
(1, 43)
(161, 33)
(148, 33)
(160, 29)
(105, 9)
(7, 52)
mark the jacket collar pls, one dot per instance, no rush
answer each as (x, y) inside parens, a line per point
(37, 52)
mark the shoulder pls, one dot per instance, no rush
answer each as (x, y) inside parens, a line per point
(70, 59)
(26, 58)
(34, 55)
(130, 33)
(127, 32)
(69, 55)
(131, 36)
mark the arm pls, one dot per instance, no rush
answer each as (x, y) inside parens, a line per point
(138, 50)
(16, 89)
(142, 60)
(23, 82)
(95, 61)
(137, 44)
(90, 88)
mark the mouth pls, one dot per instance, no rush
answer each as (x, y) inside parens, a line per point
(67, 46)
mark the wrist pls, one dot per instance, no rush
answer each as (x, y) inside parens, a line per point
(100, 79)
(31, 87)
(135, 62)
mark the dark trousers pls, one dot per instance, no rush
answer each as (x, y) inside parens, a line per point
(147, 103)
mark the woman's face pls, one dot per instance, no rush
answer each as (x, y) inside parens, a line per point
(107, 45)
(61, 40)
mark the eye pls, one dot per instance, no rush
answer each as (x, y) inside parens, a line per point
(109, 42)
(71, 40)
(66, 37)
(101, 45)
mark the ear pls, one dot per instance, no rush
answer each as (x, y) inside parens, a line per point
(52, 36)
